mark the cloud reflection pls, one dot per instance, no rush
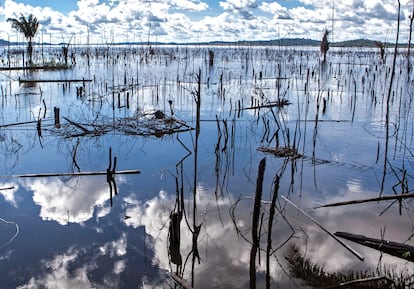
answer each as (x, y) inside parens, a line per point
(67, 270)
(9, 195)
(225, 255)
(70, 201)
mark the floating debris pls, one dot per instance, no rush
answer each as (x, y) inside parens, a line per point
(147, 124)
(282, 152)
(395, 249)
(278, 103)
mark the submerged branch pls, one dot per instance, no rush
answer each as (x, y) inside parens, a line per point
(355, 253)
(377, 199)
(75, 174)
(395, 249)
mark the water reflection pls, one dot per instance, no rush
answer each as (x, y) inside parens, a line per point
(224, 243)
(190, 211)
(70, 270)
(72, 201)
(95, 251)
(8, 191)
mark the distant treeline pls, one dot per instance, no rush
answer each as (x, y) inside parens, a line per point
(275, 42)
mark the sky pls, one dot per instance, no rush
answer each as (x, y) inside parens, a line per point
(184, 21)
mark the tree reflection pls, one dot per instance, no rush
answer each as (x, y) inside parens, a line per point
(315, 276)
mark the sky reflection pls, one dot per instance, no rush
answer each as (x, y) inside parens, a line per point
(71, 232)
(73, 201)
(225, 254)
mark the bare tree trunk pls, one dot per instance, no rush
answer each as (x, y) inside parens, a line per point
(409, 41)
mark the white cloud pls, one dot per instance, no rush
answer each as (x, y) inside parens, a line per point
(190, 5)
(276, 9)
(73, 201)
(115, 248)
(69, 269)
(183, 20)
(59, 276)
(221, 247)
(9, 195)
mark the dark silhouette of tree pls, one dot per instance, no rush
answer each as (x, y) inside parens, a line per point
(316, 276)
(28, 26)
(381, 47)
(411, 17)
(325, 44)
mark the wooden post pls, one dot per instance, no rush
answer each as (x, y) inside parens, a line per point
(56, 111)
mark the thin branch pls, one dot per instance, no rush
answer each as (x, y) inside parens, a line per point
(377, 199)
(355, 253)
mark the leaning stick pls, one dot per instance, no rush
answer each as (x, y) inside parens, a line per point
(8, 188)
(180, 281)
(355, 253)
(383, 198)
(128, 172)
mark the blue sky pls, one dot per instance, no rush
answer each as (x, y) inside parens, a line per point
(64, 6)
(201, 20)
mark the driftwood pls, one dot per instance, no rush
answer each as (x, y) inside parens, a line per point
(45, 67)
(18, 123)
(149, 124)
(77, 125)
(395, 249)
(127, 172)
(255, 222)
(383, 198)
(180, 281)
(53, 80)
(281, 152)
(355, 253)
(324, 120)
(270, 104)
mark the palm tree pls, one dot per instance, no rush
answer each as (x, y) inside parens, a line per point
(28, 27)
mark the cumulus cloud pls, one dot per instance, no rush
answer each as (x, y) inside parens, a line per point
(242, 8)
(188, 5)
(9, 193)
(59, 276)
(69, 269)
(276, 9)
(218, 233)
(182, 21)
(73, 201)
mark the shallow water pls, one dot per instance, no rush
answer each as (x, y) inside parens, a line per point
(69, 232)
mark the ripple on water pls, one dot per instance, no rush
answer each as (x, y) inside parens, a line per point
(378, 129)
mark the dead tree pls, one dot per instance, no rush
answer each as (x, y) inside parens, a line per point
(325, 44)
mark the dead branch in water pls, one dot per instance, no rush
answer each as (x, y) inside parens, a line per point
(75, 174)
(255, 222)
(383, 198)
(278, 103)
(180, 281)
(355, 253)
(282, 152)
(149, 124)
(399, 250)
(52, 80)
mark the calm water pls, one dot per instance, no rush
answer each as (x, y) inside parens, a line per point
(68, 232)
